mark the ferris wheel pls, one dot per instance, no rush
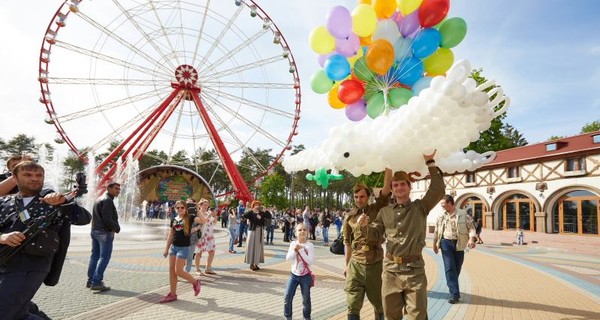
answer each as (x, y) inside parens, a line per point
(169, 75)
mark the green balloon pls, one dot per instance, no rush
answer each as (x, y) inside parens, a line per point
(376, 105)
(399, 97)
(362, 71)
(453, 31)
(320, 83)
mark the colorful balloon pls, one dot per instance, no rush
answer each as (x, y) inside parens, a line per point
(321, 41)
(420, 85)
(439, 62)
(337, 67)
(408, 6)
(364, 20)
(402, 49)
(409, 24)
(426, 42)
(339, 22)
(362, 71)
(320, 83)
(453, 31)
(398, 97)
(409, 71)
(433, 12)
(376, 105)
(380, 56)
(356, 111)
(332, 97)
(386, 29)
(347, 47)
(384, 8)
(350, 91)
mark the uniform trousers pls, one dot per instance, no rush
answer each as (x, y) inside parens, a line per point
(404, 292)
(363, 279)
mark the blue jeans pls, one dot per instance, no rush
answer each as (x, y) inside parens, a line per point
(326, 234)
(102, 246)
(179, 252)
(270, 233)
(232, 236)
(18, 288)
(190, 258)
(242, 228)
(453, 261)
(290, 291)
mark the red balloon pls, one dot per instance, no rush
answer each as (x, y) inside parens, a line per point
(350, 91)
(433, 12)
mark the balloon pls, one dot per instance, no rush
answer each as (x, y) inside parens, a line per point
(356, 111)
(323, 57)
(339, 22)
(350, 91)
(320, 83)
(439, 62)
(426, 42)
(347, 47)
(364, 20)
(332, 97)
(433, 12)
(362, 71)
(421, 84)
(321, 41)
(376, 105)
(384, 8)
(352, 60)
(408, 6)
(399, 97)
(409, 24)
(337, 67)
(386, 29)
(380, 56)
(365, 41)
(453, 31)
(409, 71)
(402, 49)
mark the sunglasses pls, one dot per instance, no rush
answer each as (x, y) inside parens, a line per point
(179, 207)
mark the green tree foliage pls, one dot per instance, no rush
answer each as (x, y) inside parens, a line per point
(591, 127)
(555, 138)
(152, 158)
(499, 136)
(272, 191)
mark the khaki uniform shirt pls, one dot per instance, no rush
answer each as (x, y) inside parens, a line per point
(363, 251)
(404, 225)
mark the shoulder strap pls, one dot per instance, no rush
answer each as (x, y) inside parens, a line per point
(304, 262)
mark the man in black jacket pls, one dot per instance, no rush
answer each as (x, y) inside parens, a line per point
(24, 272)
(105, 223)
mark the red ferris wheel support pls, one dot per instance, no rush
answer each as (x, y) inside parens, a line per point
(139, 140)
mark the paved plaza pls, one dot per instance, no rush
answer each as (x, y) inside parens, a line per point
(499, 281)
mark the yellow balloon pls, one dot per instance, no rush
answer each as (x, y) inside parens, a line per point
(333, 99)
(352, 60)
(439, 62)
(364, 2)
(364, 20)
(384, 8)
(408, 6)
(321, 41)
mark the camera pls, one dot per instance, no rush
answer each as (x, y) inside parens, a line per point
(80, 184)
(191, 208)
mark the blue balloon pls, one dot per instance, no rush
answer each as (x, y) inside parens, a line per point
(409, 71)
(337, 67)
(421, 84)
(426, 42)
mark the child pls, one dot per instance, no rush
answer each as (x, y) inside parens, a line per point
(520, 236)
(299, 250)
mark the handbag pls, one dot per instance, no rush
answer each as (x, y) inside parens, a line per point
(312, 275)
(337, 246)
(45, 244)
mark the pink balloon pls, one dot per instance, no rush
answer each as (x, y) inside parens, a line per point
(347, 47)
(339, 22)
(409, 24)
(356, 111)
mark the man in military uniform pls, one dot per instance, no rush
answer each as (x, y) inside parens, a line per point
(364, 258)
(404, 284)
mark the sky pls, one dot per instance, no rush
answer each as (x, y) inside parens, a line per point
(544, 54)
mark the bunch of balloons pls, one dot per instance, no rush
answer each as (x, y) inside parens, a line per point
(375, 58)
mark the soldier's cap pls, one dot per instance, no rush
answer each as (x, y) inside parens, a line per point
(402, 176)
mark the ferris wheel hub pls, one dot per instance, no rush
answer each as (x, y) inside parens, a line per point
(186, 75)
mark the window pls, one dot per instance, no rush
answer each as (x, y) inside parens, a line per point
(551, 147)
(574, 164)
(596, 138)
(470, 176)
(513, 172)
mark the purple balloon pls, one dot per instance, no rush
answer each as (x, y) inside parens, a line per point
(409, 24)
(322, 58)
(339, 22)
(356, 111)
(347, 47)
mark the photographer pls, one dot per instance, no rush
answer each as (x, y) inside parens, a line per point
(24, 267)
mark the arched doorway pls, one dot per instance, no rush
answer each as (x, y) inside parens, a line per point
(518, 211)
(577, 212)
(474, 206)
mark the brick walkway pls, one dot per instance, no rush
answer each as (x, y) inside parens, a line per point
(499, 281)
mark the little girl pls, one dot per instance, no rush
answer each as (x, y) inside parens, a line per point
(299, 250)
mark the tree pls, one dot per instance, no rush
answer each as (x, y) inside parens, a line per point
(72, 165)
(21, 144)
(591, 127)
(555, 138)
(152, 158)
(272, 191)
(499, 136)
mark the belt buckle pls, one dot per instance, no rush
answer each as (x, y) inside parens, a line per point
(398, 260)
(365, 248)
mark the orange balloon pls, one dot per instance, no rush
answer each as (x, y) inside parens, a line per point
(332, 97)
(364, 2)
(380, 56)
(365, 41)
(384, 8)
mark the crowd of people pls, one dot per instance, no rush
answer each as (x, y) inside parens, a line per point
(394, 282)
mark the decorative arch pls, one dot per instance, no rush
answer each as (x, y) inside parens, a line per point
(582, 223)
(499, 209)
(171, 183)
(480, 207)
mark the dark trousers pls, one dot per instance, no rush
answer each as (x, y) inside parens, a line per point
(270, 233)
(243, 229)
(453, 261)
(16, 291)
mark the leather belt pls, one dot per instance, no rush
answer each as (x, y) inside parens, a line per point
(358, 247)
(401, 260)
